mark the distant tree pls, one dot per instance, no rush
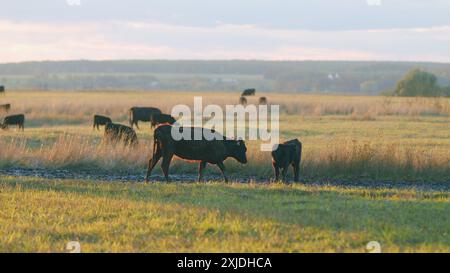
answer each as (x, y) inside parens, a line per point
(445, 91)
(418, 83)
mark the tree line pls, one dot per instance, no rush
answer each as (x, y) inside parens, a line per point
(287, 76)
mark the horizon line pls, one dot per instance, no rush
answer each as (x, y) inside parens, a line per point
(224, 60)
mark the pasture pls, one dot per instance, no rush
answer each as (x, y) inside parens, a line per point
(344, 137)
(347, 141)
(41, 215)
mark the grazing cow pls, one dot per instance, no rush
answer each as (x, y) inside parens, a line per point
(2, 89)
(249, 92)
(18, 120)
(243, 101)
(5, 107)
(118, 132)
(142, 114)
(288, 153)
(161, 119)
(100, 120)
(262, 100)
(204, 151)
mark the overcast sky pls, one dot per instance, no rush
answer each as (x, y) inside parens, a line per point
(407, 30)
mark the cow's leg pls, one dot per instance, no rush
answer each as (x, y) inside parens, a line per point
(222, 169)
(152, 163)
(167, 157)
(93, 127)
(284, 173)
(296, 167)
(137, 125)
(277, 172)
(201, 167)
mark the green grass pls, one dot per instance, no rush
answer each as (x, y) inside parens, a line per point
(41, 215)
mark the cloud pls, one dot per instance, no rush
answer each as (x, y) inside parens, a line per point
(153, 40)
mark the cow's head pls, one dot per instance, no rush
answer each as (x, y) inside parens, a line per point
(238, 151)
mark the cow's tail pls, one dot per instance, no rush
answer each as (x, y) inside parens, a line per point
(150, 162)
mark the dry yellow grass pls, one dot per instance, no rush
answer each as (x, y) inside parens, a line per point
(78, 107)
(344, 136)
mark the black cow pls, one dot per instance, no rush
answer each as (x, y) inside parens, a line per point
(142, 114)
(262, 100)
(162, 119)
(243, 101)
(100, 120)
(5, 107)
(288, 153)
(18, 120)
(2, 89)
(204, 151)
(249, 92)
(118, 132)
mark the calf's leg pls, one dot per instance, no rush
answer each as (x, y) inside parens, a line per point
(296, 167)
(284, 173)
(277, 172)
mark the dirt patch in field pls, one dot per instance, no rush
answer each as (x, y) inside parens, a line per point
(190, 178)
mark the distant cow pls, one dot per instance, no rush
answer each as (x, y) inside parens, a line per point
(5, 107)
(18, 120)
(142, 114)
(205, 151)
(288, 153)
(100, 120)
(161, 119)
(118, 132)
(2, 89)
(249, 92)
(262, 100)
(243, 101)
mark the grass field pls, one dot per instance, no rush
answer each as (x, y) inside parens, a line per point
(43, 215)
(345, 138)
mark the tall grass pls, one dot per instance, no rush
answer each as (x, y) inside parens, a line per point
(338, 159)
(56, 108)
(341, 134)
(72, 152)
